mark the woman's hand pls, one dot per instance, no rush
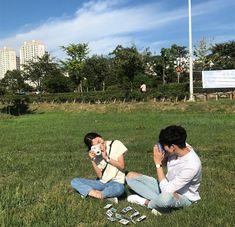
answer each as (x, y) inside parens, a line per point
(158, 156)
(91, 155)
(104, 154)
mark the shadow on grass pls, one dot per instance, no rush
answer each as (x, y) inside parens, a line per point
(17, 107)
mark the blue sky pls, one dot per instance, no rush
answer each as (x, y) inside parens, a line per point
(104, 24)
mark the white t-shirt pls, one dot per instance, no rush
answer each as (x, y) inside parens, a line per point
(184, 175)
(111, 172)
(143, 88)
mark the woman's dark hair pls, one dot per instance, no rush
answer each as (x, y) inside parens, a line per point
(89, 137)
(173, 135)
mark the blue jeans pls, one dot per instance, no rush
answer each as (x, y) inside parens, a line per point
(148, 188)
(108, 190)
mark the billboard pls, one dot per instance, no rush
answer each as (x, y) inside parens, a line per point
(218, 79)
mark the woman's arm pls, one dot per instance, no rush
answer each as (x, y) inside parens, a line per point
(97, 170)
(120, 163)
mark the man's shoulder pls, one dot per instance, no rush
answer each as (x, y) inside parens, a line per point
(193, 160)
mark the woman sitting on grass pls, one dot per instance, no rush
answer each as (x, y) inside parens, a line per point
(107, 158)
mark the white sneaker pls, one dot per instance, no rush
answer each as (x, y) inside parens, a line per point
(113, 200)
(156, 212)
(136, 199)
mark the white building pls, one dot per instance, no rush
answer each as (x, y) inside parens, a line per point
(31, 50)
(7, 60)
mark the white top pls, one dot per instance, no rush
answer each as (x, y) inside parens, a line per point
(112, 172)
(143, 88)
(184, 175)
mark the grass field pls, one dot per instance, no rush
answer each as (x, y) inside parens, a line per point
(41, 152)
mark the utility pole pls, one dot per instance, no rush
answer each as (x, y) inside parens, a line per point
(191, 97)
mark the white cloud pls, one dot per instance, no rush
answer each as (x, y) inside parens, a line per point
(99, 23)
(103, 24)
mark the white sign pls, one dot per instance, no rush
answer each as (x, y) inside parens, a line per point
(218, 79)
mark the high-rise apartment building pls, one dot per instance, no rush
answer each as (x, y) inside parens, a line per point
(31, 50)
(7, 60)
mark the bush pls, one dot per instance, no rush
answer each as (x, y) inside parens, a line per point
(16, 105)
(169, 91)
(174, 90)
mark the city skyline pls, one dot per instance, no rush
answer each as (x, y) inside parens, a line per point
(105, 24)
(29, 51)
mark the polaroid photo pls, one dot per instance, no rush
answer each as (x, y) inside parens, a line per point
(135, 214)
(126, 209)
(109, 213)
(112, 219)
(118, 216)
(141, 218)
(124, 221)
(108, 206)
(113, 210)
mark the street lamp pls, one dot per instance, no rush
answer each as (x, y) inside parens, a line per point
(191, 97)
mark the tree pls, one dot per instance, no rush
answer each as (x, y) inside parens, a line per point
(170, 57)
(95, 72)
(13, 81)
(201, 52)
(73, 65)
(57, 83)
(223, 55)
(36, 71)
(128, 63)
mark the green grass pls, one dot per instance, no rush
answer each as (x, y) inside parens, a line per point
(41, 152)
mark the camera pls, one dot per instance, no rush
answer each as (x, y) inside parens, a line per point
(161, 148)
(96, 149)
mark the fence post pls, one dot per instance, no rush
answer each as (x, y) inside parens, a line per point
(216, 96)
(205, 96)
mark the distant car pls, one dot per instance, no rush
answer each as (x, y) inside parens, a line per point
(20, 93)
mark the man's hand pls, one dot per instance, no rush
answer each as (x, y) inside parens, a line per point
(158, 156)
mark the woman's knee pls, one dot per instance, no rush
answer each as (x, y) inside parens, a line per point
(74, 182)
(120, 190)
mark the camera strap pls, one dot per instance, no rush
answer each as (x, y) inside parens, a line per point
(110, 147)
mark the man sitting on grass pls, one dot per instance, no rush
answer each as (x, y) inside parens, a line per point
(179, 187)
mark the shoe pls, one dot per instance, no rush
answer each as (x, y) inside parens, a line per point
(156, 212)
(113, 200)
(136, 199)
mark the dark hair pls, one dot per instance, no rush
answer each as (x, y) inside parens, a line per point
(89, 137)
(173, 134)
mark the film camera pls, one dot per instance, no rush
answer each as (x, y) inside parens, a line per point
(96, 149)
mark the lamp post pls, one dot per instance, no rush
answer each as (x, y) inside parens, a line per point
(191, 97)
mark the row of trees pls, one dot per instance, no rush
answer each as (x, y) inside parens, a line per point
(123, 68)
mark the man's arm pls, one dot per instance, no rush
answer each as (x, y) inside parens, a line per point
(182, 179)
(158, 158)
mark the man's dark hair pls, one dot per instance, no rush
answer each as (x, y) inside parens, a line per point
(173, 134)
(89, 137)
